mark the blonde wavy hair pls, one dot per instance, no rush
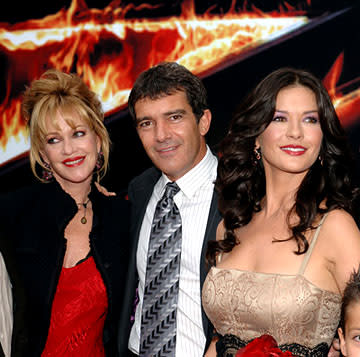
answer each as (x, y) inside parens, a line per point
(54, 92)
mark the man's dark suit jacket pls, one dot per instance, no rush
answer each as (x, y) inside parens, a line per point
(19, 335)
(140, 191)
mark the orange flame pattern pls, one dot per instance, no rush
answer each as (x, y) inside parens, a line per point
(109, 51)
(346, 98)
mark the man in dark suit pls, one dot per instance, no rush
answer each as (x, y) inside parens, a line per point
(13, 333)
(169, 106)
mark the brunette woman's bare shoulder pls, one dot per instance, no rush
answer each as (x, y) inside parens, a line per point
(342, 237)
(340, 224)
(220, 230)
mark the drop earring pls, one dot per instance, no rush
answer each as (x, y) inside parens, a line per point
(257, 153)
(99, 161)
(321, 160)
(47, 174)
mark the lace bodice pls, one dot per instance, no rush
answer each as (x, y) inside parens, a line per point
(288, 307)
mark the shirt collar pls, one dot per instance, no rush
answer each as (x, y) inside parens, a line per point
(203, 172)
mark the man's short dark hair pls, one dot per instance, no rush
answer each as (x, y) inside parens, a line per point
(165, 79)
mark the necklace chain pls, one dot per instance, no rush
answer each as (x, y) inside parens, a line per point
(83, 219)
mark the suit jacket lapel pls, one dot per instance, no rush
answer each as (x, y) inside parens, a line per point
(140, 190)
(210, 234)
(143, 193)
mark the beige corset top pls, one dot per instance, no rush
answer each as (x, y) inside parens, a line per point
(288, 307)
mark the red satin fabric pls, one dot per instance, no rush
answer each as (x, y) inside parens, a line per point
(78, 313)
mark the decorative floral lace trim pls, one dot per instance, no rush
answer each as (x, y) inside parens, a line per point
(228, 345)
(287, 307)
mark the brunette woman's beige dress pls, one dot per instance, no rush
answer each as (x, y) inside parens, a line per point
(243, 305)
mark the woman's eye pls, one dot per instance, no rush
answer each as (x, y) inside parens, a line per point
(357, 338)
(79, 133)
(52, 140)
(279, 118)
(311, 120)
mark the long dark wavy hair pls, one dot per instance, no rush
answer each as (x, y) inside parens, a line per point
(241, 183)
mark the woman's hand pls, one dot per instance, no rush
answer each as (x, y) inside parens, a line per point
(103, 190)
(211, 352)
(335, 348)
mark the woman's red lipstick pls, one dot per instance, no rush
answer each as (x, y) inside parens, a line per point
(74, 161)
(293, 150)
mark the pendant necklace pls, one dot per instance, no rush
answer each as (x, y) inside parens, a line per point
(83, 219)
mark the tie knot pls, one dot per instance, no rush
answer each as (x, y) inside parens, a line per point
(171, 189)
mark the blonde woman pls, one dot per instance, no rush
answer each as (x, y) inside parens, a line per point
(71, 240)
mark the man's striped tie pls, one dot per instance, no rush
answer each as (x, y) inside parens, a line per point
(158, 318)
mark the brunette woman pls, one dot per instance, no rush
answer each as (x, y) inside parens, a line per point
(288, 242)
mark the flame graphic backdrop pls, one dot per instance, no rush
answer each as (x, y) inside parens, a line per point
(109, 44)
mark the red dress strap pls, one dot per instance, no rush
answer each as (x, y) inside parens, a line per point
(78, 313)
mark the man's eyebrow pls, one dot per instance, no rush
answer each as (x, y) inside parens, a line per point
(174, 111)
(139, 119)
(165, 114)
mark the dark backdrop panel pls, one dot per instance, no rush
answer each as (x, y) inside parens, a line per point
(315, 48)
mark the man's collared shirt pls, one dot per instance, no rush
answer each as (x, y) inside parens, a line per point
(193, 201)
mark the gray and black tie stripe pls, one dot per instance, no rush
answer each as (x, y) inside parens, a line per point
(158, 318)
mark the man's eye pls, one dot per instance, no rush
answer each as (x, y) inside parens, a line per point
(176, 117)
(144, 124)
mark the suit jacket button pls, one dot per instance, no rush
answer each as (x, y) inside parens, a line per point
(106, 265)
